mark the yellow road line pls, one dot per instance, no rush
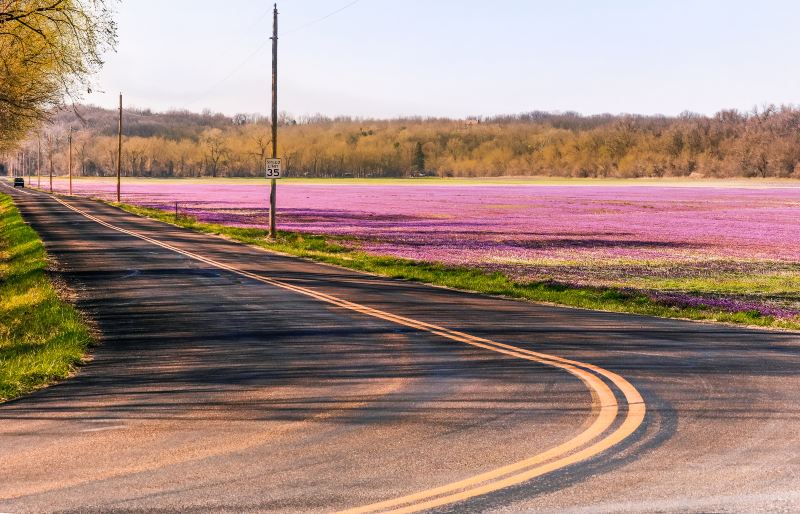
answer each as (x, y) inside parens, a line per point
(566, 454)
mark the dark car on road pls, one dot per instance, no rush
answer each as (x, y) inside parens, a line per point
(19, 182)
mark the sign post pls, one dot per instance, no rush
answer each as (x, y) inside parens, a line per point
(119, 150)
(273, 191)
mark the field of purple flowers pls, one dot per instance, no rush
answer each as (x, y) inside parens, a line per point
(733, 248)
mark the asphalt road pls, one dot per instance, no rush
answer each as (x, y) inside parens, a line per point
(230, 379)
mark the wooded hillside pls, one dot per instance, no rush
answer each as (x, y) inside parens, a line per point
(763, 143)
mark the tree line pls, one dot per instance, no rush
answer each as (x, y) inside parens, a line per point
(761, 143)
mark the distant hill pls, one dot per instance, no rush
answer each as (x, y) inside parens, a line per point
(139, 122)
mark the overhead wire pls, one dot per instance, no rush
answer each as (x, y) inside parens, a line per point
(263, 45)
(323, 18)
(227, 77)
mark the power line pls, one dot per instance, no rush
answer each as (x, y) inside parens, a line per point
(323, 18)
(263, 45)
(259, 19)
(230, 74)
(245, 61)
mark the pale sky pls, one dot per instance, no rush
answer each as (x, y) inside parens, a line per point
(457, 58)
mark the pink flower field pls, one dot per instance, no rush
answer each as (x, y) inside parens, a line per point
(736, 248)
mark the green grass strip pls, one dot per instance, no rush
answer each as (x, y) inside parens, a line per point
(42, 339)
(326, 249)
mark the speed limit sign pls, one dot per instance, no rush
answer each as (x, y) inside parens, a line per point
(274, 168)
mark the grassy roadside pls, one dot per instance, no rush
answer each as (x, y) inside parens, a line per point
(42, 339)
(325, 249)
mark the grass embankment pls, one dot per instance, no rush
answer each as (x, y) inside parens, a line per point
(42, 339)
(325, 249)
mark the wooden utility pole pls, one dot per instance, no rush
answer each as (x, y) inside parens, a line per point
(39, 161)
(50, 157)
(273, 186)
(70, 161)
(119, 149)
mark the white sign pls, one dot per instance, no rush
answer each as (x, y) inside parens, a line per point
(274, 168)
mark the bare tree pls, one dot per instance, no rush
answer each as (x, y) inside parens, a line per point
(216, 150)
(264, 146)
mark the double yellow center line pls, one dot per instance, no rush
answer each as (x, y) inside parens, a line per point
(589, 443)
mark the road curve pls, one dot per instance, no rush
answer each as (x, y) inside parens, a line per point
(234, 379)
